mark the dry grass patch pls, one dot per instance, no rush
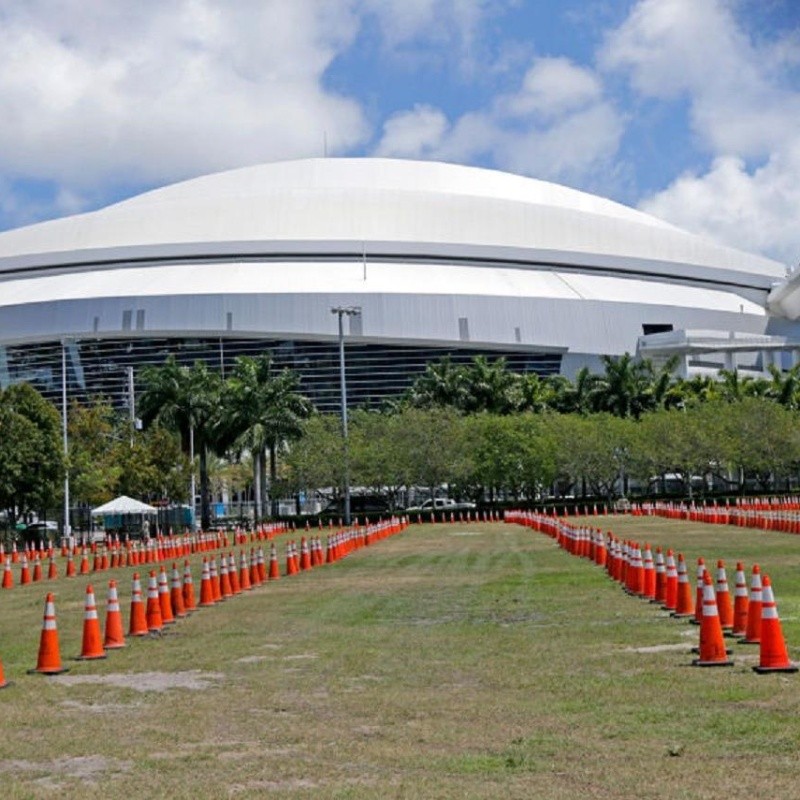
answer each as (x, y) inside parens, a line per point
(432, 664)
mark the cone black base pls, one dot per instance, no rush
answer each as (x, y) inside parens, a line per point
(765, 670)
(47, 672)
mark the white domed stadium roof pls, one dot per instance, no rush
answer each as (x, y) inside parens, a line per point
(383, 207)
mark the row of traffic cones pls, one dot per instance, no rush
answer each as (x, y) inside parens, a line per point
(154, 552)
(165, 604)
(752, 618)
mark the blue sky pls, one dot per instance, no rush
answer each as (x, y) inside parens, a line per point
(688, 109)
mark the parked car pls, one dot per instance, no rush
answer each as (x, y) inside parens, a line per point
(359, 504)
(440, 504)
(38, 531)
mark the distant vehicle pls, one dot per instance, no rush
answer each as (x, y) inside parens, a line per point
(359, 504)
(440, 504)
(40, 530)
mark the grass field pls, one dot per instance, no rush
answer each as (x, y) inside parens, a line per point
(450, 661)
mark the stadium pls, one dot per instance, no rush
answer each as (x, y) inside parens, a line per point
(440, 259)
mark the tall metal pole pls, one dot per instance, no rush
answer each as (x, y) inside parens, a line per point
(67, 530)
(131, 402)
(341, 312)
(343, 384)
(193, 486)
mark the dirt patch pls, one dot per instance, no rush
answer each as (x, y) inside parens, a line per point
(301, 657)
(658, 648)
(84, 768)
(273, 786)
(99, 708)
(147, 681)
(252, 659)
(467, 533)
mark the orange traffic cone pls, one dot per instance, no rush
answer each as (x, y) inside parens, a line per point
(206, 589)
(115, 638)
(671, 584)
(773, 654)
(92, 645)
(189, 602)
(153, 610)
(698, 599)
(753, 632)
(224, 580)
(138, 623)
(70, 565)
(52, 569)
(274, 566)
(261, 565)
(164, 598)
(740, 602)
(290, 564)
(49, 661)
(712, 645)
(216, 586)
(244, 572)
(3, 681)
(8, 576)
(684, 607)
(24, 571)
(176, 595)
(255, 576)
(724, 604)
(661, 578)
(233, 574)
(305, 554)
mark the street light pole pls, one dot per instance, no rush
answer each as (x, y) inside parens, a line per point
(343, 311)
(67, 530)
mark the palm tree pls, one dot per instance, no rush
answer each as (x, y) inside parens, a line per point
(623, 389)
(785, 386)
(488, 386)
(264, 411)
(442, 384)
(186, 400)
(578, 396)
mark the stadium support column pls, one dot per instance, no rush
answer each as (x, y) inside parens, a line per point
(341, 312)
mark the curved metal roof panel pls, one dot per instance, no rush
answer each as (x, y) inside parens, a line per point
(320, 207)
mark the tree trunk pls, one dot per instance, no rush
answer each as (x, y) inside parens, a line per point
(205, 500)
(262, 459)
(257, 496)
(273, 477)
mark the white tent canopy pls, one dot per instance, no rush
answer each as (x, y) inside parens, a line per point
(124, 505)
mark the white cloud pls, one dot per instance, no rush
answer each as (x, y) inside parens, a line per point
(743, 111)
(413, 134)
(697, 48)
(94, 92)
(754, 211)
(421, 30)
(553, 86)
(556, 124)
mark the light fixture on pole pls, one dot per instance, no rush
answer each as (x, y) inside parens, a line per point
(345, 311)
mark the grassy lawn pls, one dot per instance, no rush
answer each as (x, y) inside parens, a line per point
(449, 661)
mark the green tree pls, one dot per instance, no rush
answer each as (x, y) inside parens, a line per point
(93, 470)
(264, 412)
(31, 452)
(186, 400)
(441, 385)
(432, 447)
(315, 460)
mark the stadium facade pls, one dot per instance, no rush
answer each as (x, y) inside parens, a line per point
(441, 259)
